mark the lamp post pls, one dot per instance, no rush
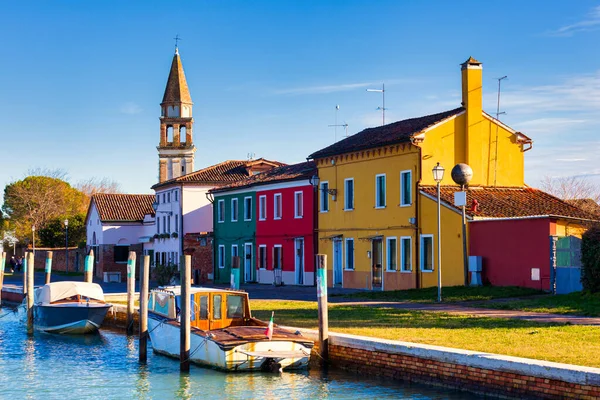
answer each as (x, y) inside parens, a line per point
(33, 235)
(67, 245)
(438, 175)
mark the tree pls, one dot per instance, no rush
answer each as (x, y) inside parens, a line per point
(590, 259)
(36, 200)
(53, 233)
(92, 186)
(575, 190)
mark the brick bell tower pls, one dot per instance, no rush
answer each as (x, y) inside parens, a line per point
(176, 148)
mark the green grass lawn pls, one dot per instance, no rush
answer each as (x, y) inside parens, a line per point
(569, 344)
(449, 294)
(578, 303)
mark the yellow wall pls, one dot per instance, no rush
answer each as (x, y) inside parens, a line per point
(568, 228)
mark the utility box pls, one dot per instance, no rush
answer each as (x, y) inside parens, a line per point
(460, 199)
(475, 268)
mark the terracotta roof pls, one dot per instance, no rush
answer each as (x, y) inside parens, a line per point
(509, 202)
(588, 205)
(220, 174)
(177, 89)
(284, 173)
(396, 132)
(472, 61)
(123, 207)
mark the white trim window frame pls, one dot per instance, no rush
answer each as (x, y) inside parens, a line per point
(221, 258)
(391, 252)
(262, 207)
(405, 188)
(278, 261)
(423, 265)
(348, 194)
(405, 252)
(221, 211)
(277, 206)
(349, 251)
(234, 210)
(234, 251)
(299, 204)
(324, 197)
(248, 208)
(262, 256)
(380, 191)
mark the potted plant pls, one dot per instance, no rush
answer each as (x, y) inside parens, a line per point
(174, 235)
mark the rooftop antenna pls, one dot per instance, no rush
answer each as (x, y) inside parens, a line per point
(382, 108)
(345, 125)
(337, 108)
(177, 39)
(251, 156)
(498, 113)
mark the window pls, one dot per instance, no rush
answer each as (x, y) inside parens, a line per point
(247, 208)
(221, 211)
(380, 191)
(175, 194)
(158, 198)
(164, 224)
(221, 256)
(406, 254)
(405, 188)
(324, 196)
(157, 224)
(234, 210)
(168, 224)
(277, 262)
(277, 206)
(234, 251)
(217, 306)
(235, 306)
(121, 253)
(203, 307)
(262, 257)
(164, 197)
(427, 253)
(392, 254)
(262, 208)
(298, 204)
(349, 194)
(349, 253)
(168, 197)
(176, 219)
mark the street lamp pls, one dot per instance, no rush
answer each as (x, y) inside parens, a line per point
(438, 175)
(67, 245)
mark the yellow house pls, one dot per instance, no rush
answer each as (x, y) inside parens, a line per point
(377, 226)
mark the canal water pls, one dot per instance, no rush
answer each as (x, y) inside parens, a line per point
(105, 366)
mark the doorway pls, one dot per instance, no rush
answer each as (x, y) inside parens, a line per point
(377, 252)
(299, 246)
(337, 262)
(248, 271)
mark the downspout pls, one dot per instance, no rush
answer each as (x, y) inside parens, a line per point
(315, 230)
(210, 197)
(417, 219)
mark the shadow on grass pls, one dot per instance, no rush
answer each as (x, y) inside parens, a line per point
(378, 317)
(578, 303)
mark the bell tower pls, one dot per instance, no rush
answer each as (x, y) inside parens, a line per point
(176, 148)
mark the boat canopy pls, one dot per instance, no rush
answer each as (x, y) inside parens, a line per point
(56, 291)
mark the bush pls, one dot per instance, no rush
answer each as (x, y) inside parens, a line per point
(174, 235)
(163, 274)
(590, 259)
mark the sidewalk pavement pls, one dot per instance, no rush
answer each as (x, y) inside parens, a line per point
(337, 296)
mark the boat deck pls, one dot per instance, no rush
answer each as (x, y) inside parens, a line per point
(236, 335)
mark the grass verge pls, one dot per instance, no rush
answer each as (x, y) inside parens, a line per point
(570, 344)
(579, 303)
(449, 294)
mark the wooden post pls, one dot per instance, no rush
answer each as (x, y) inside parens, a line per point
(2, 266)
(184, 316)
(321, 264)
(130, 290)
(48, 266)
(88, 272)
(24, 269)
(235, 273)
(144, 282)
(30, 292)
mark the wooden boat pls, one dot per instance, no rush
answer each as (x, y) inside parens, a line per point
(224, 335)
(69, 307)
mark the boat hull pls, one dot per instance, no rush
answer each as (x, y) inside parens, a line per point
(69, 318)
(249, 356)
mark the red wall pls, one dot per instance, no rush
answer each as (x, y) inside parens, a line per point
(283, 231)
(510, 248)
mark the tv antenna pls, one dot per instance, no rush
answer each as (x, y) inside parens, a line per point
(337, 108)
(382, 108)
(498, 113)
(251, 156)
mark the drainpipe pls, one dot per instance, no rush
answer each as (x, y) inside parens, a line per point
(418, 218)
(315, 229)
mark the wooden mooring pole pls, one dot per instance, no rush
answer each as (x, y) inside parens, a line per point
(321, 261)
(30, 292)
(2, 266)
(130, 290)
(88, 269)
(184, 316)
(144, 282)
(24, 269)
(48, 266)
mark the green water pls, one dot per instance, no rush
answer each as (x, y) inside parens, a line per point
(105, 366)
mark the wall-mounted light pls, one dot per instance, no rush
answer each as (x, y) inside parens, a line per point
(315, 181)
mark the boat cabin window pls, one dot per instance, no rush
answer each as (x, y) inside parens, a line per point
(216, 306)
(235, 306)
(203, 307)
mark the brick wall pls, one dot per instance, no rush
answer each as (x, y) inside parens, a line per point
(200, 247)
(463, 370)
(76, 258)
(106, 261)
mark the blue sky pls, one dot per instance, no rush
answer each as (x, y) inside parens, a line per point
(81, 82)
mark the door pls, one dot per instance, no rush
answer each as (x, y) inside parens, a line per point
(566, 254)
(248, 272)
(337, 262)
(299, 261)
(377, 254)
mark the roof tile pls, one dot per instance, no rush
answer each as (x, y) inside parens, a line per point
(123, 207)
(303, 170)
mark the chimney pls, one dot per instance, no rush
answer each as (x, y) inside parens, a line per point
(472, 102)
